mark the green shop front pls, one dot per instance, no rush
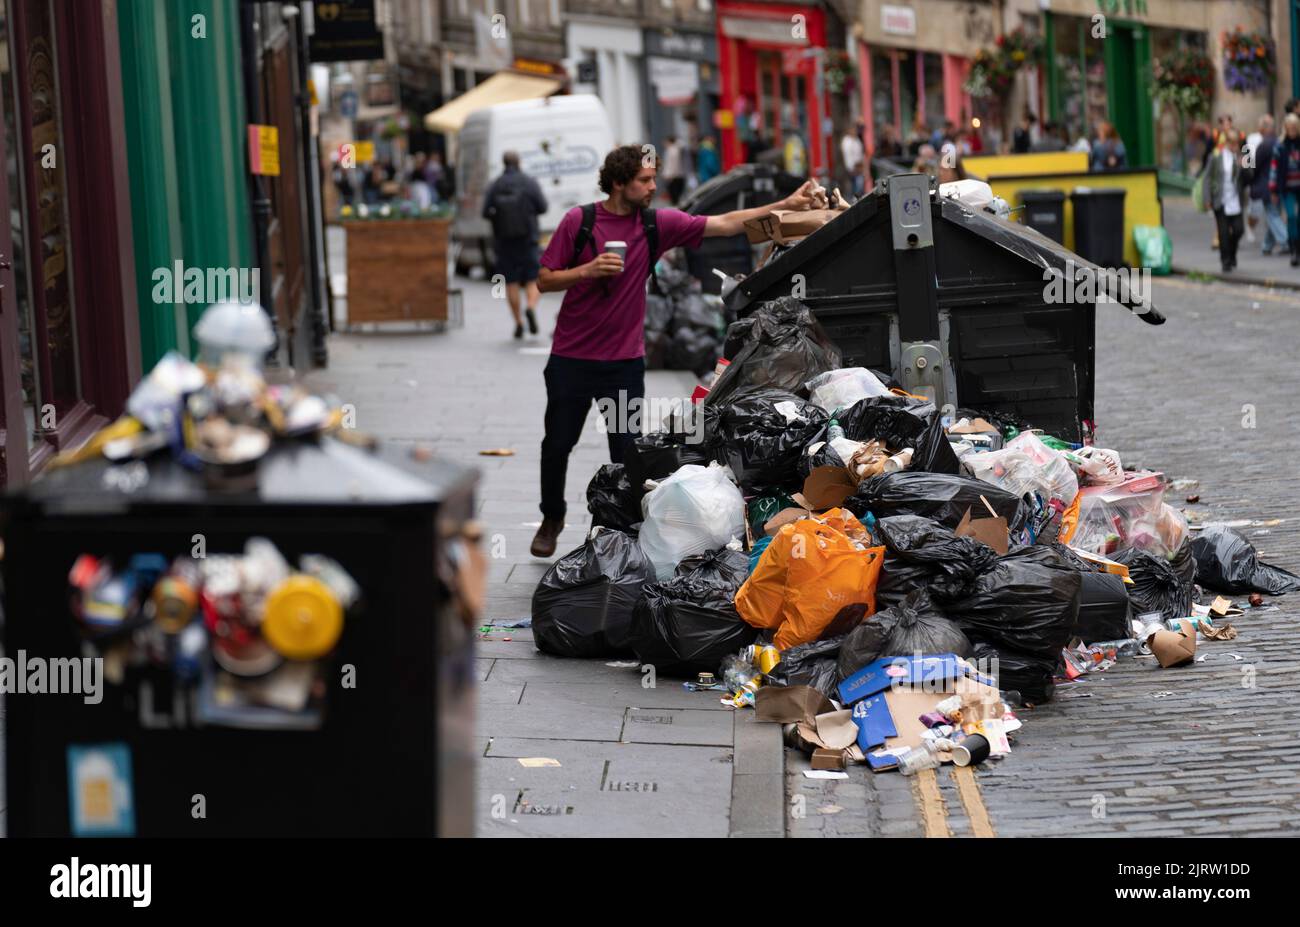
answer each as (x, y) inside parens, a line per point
(1099, 68)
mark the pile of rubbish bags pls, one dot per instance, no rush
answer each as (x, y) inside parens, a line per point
(888, 581)
(684, 326)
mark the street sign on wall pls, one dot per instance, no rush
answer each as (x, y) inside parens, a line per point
(264, 150)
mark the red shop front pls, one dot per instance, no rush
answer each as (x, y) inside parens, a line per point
(770, 58)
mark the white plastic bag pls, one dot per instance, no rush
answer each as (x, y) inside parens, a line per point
(696, 510)
(1057, 473)
(1026, 464)
(839, 389)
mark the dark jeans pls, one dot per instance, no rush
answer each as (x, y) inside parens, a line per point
(1230, 232)
(571, 387)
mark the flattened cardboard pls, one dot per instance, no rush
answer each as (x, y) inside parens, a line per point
(827, 487)
(1174, 648)
(906, 705)
(785, 225)
(991, 531)
(875, 723)
(789, 704)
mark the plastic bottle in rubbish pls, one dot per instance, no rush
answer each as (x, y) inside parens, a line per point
(917, 759)
(834, 431)
(1122, 648)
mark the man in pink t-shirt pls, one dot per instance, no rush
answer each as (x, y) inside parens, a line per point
(599, 348)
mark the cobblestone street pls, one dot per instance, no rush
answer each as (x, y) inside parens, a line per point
(1112, 755)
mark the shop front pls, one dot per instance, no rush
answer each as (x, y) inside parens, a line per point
(1099, 60)
(681, 84)
(771, 57)
(911, 77)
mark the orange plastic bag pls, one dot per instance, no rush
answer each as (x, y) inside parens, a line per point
(1070, 520)
(810, 571)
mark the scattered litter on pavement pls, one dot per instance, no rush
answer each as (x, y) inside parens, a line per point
(497, 452)
(1162, 694)
(533, 762)
(526, 622)
(1235, 656)
(829, 809)
(824, 774)
(624, 664)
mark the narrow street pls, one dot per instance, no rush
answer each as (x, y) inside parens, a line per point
(1112, 755)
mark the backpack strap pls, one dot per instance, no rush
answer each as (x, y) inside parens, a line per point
(649, 224)
(585, 232)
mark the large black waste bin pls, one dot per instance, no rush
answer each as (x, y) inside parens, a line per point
(1099, 224)
(742, 187)
(392, 752)
(1045, 212)
(951, 300)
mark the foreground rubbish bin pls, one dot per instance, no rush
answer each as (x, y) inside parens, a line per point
(742, 187)
(389, 754)
(1045, 212)
(951, 301)
(1099, 224)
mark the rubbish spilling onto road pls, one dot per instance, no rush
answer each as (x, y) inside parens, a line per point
(890, 576)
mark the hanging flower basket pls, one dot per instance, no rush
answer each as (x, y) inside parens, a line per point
(838, 73)
(1184, 81)
(1248, 61)
(993, 71)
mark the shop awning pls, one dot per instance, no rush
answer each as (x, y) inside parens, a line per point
(502, 87)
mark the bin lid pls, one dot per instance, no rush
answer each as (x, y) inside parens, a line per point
(324, 472)
(740, 179)
(1021, 240)
(1042, 193)
(1098, 191)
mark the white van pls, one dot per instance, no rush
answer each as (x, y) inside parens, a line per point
(561, 141)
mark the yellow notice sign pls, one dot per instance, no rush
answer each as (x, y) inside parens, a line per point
(264, 150)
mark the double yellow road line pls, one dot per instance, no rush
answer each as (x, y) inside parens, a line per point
(934, 810)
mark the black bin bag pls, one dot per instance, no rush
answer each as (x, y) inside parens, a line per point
(915, 626)
(583, 605)
(1227, 562)
(901, 421)
(1156, 587)
(1017, 671)
(689, 624)
(952, 563)
(812, 664)
(612, 501)
(781, 345)
(1027, 601)
(752, 434)
(1103, 609)
(943, 497)
(660, 454)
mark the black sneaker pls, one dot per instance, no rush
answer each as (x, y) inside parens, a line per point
(532, 321)
(519, 331)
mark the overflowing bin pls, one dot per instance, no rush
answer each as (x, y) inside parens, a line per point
(373, 737)
(950, 300)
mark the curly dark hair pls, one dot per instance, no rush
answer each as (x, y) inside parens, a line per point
(621, 166)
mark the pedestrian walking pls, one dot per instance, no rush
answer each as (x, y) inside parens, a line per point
(1284, 181)
(1261, 202)
(674, 168)
(1022, 140)
(600, 257)
(512, 204)
(1225, 192)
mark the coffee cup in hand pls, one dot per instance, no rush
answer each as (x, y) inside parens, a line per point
(617, 247)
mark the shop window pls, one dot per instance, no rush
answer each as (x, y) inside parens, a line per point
(934, 97)
(882, 93)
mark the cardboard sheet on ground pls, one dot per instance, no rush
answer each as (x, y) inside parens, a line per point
(906, 705)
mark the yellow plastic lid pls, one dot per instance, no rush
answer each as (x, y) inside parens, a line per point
(303, 619)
